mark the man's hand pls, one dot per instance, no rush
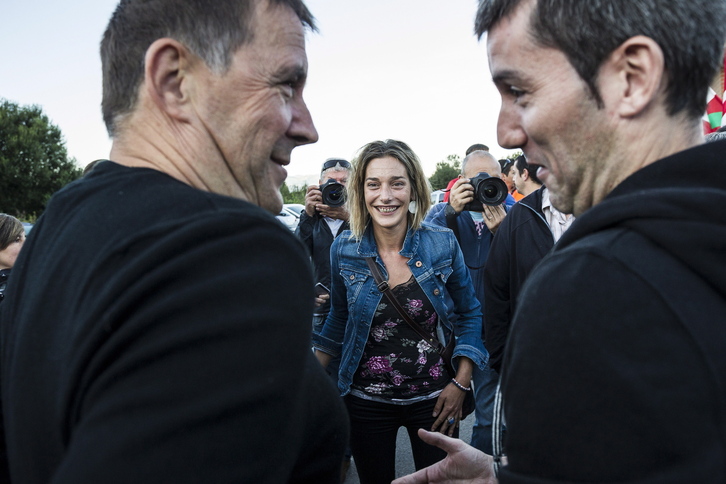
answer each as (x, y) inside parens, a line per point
(340, 212)
(463, 464)
(313, 197)
(314, 204)
(493, 216)
(461, 193)
(320, 299)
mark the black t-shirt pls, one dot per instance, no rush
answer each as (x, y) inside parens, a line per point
(159, 333)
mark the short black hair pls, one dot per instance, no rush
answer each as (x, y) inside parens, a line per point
(588, 31)
(522, 164)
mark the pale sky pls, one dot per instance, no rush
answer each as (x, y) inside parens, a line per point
(406, 69)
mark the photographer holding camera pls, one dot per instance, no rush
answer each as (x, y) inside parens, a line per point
(474, 212)
(325, 216)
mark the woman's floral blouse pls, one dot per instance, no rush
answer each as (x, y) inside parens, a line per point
(396, 362)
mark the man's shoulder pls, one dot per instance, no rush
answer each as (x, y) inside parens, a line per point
(436, 214)
(525, 211)
(150, 195)
(129, 211)
(608, 255)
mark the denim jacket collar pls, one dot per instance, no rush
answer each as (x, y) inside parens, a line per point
(367, 245)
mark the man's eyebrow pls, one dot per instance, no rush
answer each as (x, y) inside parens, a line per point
(296, 73)
(506, 77)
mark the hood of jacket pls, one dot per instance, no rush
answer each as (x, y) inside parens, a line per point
(678, 203)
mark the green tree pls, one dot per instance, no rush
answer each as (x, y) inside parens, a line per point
(513, 156)
(296, 195)
(34, 162)
(445, 171)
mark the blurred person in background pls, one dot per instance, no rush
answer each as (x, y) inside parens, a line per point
(524, 178)
(319, 225)
(507, 175)
(12, 238)
(474, 231)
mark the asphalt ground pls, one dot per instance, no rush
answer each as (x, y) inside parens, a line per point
(404, 459)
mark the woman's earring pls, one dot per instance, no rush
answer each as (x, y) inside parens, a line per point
(412, 207)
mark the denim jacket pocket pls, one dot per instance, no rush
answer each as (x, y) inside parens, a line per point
(354, 282)
(443, 271)
(441, 275)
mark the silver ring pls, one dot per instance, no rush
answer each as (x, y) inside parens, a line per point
(451, 420)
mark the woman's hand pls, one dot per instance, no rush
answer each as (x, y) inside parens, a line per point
(448, 409)
(451, 399)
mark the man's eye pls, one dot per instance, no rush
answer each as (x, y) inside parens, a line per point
(288, 88)
(515, 93)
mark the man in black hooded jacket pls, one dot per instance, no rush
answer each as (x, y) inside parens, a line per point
(615, 369)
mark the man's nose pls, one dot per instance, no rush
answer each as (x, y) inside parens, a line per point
(510, 133)
(302, 128)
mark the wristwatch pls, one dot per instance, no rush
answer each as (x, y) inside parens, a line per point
(449, 211)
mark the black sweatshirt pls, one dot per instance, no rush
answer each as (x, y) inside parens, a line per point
(159, 333)
(615, 370)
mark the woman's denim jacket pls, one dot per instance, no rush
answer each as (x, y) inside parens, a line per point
(438, 266)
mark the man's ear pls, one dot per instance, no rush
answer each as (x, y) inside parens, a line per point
(166, 67)
(633, 76)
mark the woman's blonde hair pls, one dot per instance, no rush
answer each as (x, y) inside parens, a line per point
(420, 189)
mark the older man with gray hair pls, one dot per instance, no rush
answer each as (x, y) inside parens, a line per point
(475, 230)
(146, 340)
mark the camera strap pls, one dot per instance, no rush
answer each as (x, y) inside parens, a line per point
(386, 290)
(451, 217)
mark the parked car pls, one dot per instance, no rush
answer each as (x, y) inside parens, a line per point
(437, 196)
(288, 218)
(295, 207)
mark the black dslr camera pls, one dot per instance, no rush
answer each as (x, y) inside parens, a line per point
(333, 193)
(488, 190)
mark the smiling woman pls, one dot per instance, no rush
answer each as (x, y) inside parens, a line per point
(391, 372)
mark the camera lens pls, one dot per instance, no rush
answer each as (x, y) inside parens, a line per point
(333, 193)
(488, 190)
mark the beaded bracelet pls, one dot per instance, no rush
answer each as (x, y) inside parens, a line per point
(460, 386)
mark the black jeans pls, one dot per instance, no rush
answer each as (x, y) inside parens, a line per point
(373, 430)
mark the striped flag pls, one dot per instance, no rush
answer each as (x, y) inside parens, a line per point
(715, 115)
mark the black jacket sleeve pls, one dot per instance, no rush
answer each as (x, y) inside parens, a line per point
(305, 229)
